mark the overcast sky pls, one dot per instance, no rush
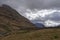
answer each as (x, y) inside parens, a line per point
(33, 4)
(38, 11)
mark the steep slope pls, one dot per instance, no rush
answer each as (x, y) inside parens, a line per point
(11, 20)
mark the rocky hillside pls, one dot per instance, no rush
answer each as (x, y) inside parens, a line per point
(11, 21)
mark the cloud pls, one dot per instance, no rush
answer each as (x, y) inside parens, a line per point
(49, 23)
(42, 4)
(32, 15)
(48, 17)
(37, 10)
(54, 16)
(33, 4)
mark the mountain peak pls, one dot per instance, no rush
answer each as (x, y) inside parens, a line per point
(11, 20)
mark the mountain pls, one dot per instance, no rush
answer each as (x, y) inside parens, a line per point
(11, 21)
(20, 28)
(39, 25)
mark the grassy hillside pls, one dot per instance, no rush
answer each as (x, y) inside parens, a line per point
(42, 34)
(11, 21)
(13, 26)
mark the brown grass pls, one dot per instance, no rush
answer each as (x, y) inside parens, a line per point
(43, 34)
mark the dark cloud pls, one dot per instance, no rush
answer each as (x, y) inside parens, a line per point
(54, 16)
(43, 4)
(22, 5)
(33, 4)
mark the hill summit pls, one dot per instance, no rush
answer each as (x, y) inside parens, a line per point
(11, 20)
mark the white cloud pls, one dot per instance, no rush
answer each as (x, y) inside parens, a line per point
(43, 9)
(49, 23)
(38, 13)
(46, 16)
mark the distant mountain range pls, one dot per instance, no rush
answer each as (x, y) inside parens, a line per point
(39, 25)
